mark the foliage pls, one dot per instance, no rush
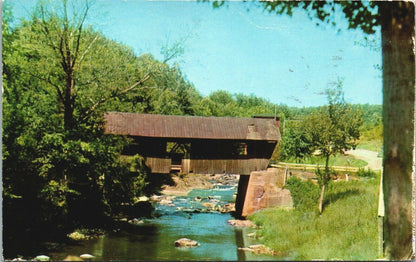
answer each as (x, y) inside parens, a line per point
(324, 176)
(304, 194)
(331, 130)
(366, 173)
(335, 127)
(295, 144)
(60, 171)
(345, 231)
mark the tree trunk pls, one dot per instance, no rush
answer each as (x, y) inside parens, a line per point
(324, 181)
(397, 27)
(69, 98)
(326, 169)
(321, 199)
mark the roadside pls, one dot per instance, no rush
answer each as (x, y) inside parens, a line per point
(371, 157)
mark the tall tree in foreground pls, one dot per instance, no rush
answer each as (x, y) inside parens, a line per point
(330, 130)
(397, 21)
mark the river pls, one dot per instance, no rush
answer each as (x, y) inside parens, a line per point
(184, 217)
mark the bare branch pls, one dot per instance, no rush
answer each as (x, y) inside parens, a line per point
(87, 49)
(80, 25)
(115, 94)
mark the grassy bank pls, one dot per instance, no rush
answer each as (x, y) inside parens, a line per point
(347, 228)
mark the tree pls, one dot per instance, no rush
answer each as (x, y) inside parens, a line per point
(77, 60)
(397, 22)
(295, 143)
(330, 130)
(60, 169)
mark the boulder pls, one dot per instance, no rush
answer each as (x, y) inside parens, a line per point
(241, 223)
(220, 208)
(208, 205)
(186, 242)
(72, 258)
(86, 256)
(135, 222)
(155, 198)
(259, 249)
(197, 199)
(165, 202)
(41, 258)
(77, 236)
(230, 207)
(143, 199)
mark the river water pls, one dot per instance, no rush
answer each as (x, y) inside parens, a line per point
(185, 216)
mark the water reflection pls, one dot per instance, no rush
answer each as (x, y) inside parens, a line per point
(239, 239)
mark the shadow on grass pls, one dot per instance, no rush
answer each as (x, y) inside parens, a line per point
(332, 197)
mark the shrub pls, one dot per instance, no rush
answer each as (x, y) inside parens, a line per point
(366, 173)
(305, 195)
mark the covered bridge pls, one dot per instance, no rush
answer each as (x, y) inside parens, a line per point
(193, 144)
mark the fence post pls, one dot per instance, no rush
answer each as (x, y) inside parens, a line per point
(380, 218)
(285, 177)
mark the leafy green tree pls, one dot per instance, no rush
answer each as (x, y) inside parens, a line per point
(223, 104)
(295, 143)
(331, 130)
(60, 170)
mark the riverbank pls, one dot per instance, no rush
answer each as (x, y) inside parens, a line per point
(346, 230)
(184, 183)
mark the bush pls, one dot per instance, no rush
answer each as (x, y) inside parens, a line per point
(366, 173)
(305, 195)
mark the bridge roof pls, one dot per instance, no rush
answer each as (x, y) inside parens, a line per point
(191, 127)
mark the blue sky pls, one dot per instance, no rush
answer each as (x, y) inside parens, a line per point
(283, 59)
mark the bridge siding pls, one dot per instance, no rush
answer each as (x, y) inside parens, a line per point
(209, 166)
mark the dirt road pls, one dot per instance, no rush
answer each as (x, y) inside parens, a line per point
(374, 162)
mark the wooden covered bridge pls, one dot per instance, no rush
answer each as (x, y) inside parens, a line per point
(192, 144)
(203, 145)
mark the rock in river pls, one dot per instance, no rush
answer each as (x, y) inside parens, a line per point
(86, 256)
(41, 258)
(186, 242)
(259, 249)
(241, 223)
(72, 258)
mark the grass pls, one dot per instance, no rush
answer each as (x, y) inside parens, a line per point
(373, 145)
(347, 228)
(338, 160)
